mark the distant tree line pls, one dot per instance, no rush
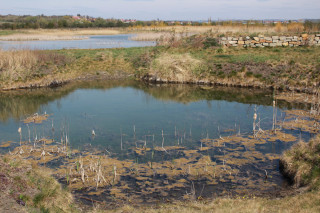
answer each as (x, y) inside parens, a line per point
(79, 21)
(51, 22)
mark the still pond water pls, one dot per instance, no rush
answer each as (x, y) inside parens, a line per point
(93, 42)
(112, 108)
(139, 114)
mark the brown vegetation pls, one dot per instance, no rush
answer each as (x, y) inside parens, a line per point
(301, 163)
(55, 34)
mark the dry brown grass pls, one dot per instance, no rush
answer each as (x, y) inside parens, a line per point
(175, 67)
(37, 68)
(163, 35)
(150, 36)
(15, 65)
(21, 65)
(57, 34)
(214, 29)
(278, 29)
(302, 203)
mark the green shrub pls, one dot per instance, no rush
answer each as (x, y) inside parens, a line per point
(249, 74)
(210, 42)
(258, 75)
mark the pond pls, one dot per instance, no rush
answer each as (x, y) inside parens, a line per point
(109, 108)
(199, 138)
(93, 42)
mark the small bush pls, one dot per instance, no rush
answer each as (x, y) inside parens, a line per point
(249, 74)
(210, 42)
(219, 66)
(233, 73)
(292, 62)
(258, 75)
(220, 50)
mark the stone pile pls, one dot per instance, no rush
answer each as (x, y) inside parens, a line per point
(272, 41)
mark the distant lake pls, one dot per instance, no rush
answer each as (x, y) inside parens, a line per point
(93, 42)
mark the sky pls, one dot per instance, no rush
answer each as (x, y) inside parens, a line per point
(168, 9)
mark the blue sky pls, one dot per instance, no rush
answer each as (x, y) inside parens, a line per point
(168, 9)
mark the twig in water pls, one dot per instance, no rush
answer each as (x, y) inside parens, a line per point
(29, 133)
(19, 130)
(121, 139)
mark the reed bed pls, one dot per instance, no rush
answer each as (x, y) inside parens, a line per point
(158, 36)
(26, 37)
(164, 34)
(15, 65)
(19, 65)
(155, 31)
(56, 34)
(215, 29)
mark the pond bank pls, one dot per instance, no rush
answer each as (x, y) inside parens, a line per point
(283, 69)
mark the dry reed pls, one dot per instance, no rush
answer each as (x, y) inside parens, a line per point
(16, 65)
(56, 34)
(19, 65)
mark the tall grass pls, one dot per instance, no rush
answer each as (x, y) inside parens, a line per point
(17, 65)
(291, 28)
(20, 65)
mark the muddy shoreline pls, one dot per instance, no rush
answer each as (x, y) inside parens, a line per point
(154, 80)
(231, 83)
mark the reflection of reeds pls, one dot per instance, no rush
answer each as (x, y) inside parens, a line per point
(162, 140)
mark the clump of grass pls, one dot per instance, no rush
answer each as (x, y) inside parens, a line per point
(50, 196)
(302, 163)
(177, 67)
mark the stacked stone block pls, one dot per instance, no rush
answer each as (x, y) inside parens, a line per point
(271, 41)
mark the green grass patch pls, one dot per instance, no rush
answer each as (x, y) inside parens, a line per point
(8, 32)
(244, 58)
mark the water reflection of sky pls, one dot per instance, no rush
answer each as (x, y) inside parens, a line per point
(118, 109)
(94, 42)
